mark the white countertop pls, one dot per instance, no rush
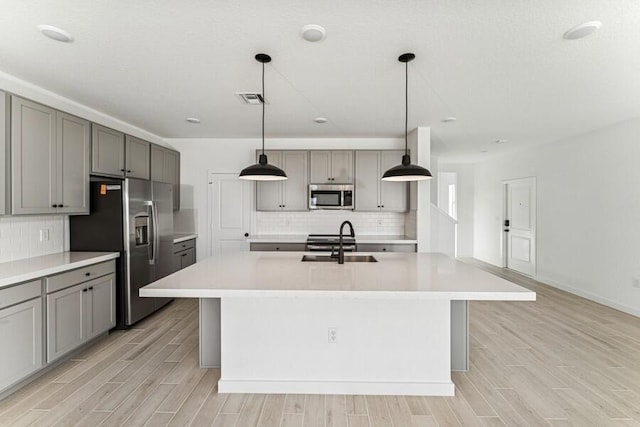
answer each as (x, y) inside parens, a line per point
(33, 268)
(282, 274)
(302, 238)
(178, 237)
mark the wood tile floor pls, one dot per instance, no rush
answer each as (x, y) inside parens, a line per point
(559, 361)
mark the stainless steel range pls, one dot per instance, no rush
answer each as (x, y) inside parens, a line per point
(329, 243)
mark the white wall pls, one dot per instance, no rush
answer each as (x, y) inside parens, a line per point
(199, 157)
(465, 188)
(588, 212)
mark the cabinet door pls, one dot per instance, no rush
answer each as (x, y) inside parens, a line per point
(296, 186)
(176, 178)
(65, 321)
(367, 185)
(33, 157)
(4, 151)
(137, 157)
(177, 261)
(73, 144)
(393, 195)
(319, 167)
(269, 193)
(342, 167)
(21, 338)
(100, 305)
(107, 151)
(157, 163)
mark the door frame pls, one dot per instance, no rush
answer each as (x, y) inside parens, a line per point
(504, 240)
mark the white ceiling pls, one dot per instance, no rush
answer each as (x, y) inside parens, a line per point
(500, 66)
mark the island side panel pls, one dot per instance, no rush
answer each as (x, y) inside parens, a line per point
(459, 335)
(282, 345)
(209, 332)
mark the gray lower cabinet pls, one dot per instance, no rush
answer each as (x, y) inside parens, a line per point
(79, 309)
(184, 254)
(270, 247)
(20, 332)
(383, 247)
(49, 160)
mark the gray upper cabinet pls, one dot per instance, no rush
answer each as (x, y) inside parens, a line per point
(373, 194)
(290, 194)
(107, 151)
(49, 160)
(331, 167)
(165, 167)
(115, 154)
(72, 163)
(137, 157)
(4, 154)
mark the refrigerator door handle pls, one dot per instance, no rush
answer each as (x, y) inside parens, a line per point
(156, 233)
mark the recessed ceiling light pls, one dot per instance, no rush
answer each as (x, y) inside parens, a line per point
(582, 30)
(320, 120)
(193, 120)
(484, 151)
(55, 33)
(501, 141)
(448, 119)
(313, 33)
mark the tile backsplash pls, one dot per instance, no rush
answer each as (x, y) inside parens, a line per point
(376, 223)
(20, 236)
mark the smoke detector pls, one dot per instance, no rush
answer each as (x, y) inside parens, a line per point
(251, 98)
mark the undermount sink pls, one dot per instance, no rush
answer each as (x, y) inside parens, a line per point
(347, 258)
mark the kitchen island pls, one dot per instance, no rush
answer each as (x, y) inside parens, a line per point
(274, 324)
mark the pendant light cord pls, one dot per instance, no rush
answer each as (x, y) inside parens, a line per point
(263, 102)
(406, 106)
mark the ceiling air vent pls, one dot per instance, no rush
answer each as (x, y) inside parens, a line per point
(251, 98)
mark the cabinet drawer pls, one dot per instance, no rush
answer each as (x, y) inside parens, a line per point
(395, 247)
(73, 277)
(187, 244)
(268, 247)
(19, 293)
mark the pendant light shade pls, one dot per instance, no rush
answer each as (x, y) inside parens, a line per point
(263, 171)
(406, 171)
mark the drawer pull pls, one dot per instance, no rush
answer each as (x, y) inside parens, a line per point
(84, 290)
(88, 273)
(90, 288)
(183, 255)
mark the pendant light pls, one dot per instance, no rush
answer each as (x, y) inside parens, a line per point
(263, 171)
(406, 171)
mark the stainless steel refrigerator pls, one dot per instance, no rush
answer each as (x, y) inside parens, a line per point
(133, 217)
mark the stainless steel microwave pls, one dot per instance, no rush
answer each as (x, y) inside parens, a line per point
(332, 196)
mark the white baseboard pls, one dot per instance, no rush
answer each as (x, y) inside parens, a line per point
(337, 387)
(588, 295)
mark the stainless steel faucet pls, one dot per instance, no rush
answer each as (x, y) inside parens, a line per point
(341, 245)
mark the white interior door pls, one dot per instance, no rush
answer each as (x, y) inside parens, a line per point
(231, 206)
(520, 225)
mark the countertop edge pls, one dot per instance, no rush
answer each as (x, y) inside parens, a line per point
(48, 271)
(414, 295)
(184, 238)
(363, 239)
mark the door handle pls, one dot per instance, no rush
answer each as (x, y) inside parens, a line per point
(506, 230)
